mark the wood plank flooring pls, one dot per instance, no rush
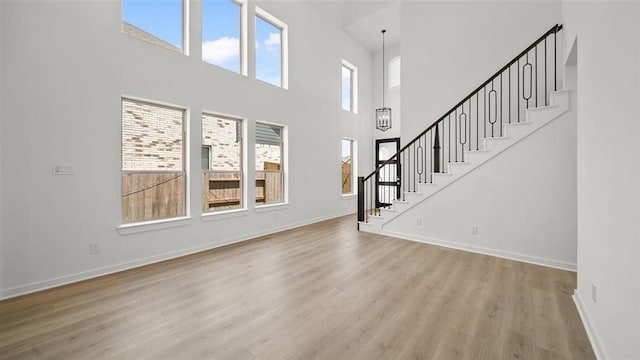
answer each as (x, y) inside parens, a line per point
(323, 291)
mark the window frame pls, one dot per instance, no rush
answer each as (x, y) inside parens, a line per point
(185, 29)
(243, 162)
(284, 46)
(354, 167)
(284, 168)
(243, 38)
(353, 84)
(152, 224)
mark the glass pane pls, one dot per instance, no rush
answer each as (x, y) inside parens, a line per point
(347, 166)
(268, 148)
(222, 190)
(150, 196)
(386, 194)
(206, 158)
(268, 52)
(386, 150)
(388, 173)
(156, 21)
(221, 33)
(269, 187)
(222, 135)
(346, 88)
(151, 137)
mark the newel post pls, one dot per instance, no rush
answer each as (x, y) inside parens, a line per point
(360, 198)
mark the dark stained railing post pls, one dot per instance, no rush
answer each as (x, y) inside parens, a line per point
(360, 198)
(436, 152)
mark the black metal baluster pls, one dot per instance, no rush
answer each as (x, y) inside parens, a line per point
(455, 123)
(470, 117)
(536, 62)
(501, 86)
(527, 65)
(545, 73)
(431, 145)
(518, 86)
(477, 118)
(449, 137)
(509, 94)
(484, 111)
(495, 107)
(555, 62)
(462, 139)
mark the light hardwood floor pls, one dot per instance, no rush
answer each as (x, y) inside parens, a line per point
(323, 291)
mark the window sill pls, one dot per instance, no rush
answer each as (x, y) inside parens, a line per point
(349, 196)
(213, 216)
(272, 207)
(140, 227)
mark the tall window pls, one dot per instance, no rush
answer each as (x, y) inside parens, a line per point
(222, 178)
(270, 165)
(271, 49)
(160, 22)
(223, 34)
(349, 87)
(348, 164)
(394, 72)
(153, 171)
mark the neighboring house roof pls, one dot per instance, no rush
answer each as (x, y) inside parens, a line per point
(143, 35)
(268, 135)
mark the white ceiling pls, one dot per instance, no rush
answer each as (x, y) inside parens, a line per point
(364, 19)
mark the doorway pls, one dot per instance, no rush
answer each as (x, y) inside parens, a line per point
(388, 179)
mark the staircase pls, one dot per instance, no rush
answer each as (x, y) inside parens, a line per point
(515, 102)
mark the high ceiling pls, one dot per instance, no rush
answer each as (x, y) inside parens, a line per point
(364, 19)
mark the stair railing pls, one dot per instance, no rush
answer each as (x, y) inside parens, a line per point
(524, 82)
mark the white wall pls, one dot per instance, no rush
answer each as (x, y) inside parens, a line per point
(68, 64)
(2, 31)
(608, 78)
(451, 47)
(523, 202)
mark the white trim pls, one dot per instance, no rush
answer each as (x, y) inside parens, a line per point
(89, 274)
(284, 45)
(557, 264)
(353, 85)
(349, 196)
(271, 207)
(160, 224)
(219, 215)
(587, 323)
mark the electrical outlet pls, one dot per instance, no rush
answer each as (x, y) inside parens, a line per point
(474, 230)
(62, 169)
(94, 248)
(418, 221)
(594, 293)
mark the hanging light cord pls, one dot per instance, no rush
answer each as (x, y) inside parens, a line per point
(383, 87)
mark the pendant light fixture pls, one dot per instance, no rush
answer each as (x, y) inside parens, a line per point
(383, 114)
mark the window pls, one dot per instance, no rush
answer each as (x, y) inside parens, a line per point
(153, 170)
(348, 165)
(223, 34)
(349, 87)
(270, 164)
(271, 49)
(160, 22)
(394, 72)
(222, 177)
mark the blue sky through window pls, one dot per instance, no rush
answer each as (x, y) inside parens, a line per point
(161, 18)
(346, 149)
(221, 33)
(268, 52)
(346, 88)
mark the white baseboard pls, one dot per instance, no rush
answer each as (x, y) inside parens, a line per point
(594, 339)
(93, 273)
(486, 251)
